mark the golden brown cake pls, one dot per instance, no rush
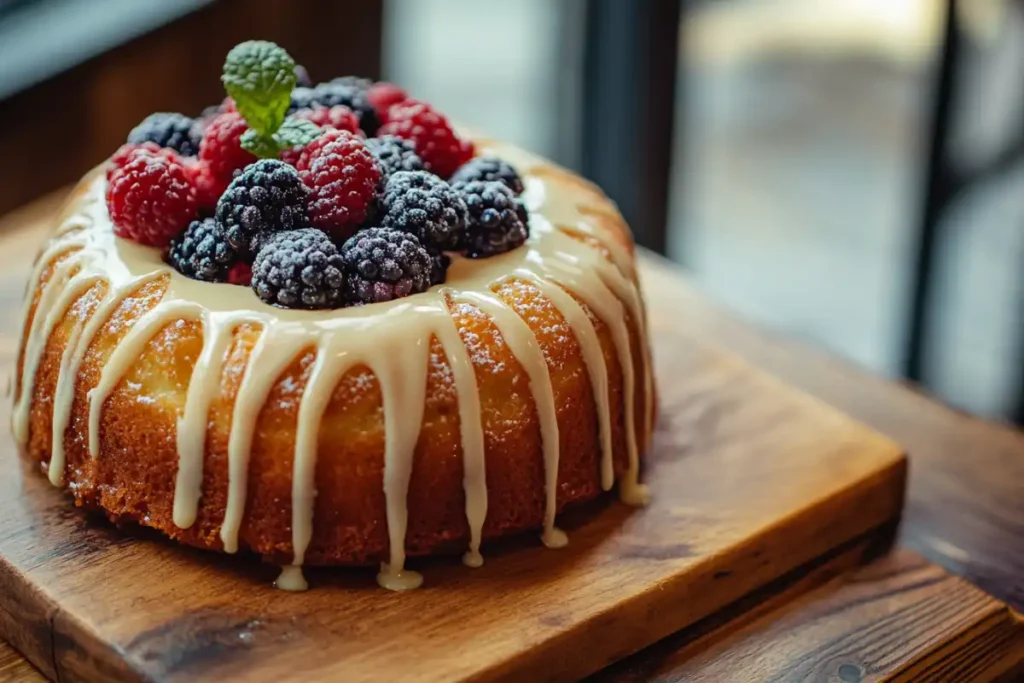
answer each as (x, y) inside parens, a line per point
(429, 424)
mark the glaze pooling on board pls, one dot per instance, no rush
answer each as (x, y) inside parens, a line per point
(391, 339)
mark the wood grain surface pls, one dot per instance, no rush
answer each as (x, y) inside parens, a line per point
(15, 669)
(750, 479)
(899, 618)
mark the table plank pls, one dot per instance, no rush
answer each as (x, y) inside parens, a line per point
(899, 618)
(14, 668)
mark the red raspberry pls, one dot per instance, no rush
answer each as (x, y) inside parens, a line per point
(435, 141)
(342, 175)
(338, 117)
(209, 187)
(120, 157)
(383, 95)
(151, 197)
(221, 147)
(240, 274)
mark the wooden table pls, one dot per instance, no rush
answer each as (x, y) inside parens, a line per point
(943, 604)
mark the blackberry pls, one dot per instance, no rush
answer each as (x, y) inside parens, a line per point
(202, 252)
(299, 269)
(497, 219)
(488, 168)
(382, 264)
(394, 154)
(268, 196)
(439, 262)
(168, 129)
(332, 94)
(302, 76)
(422, 204)
(353, 82)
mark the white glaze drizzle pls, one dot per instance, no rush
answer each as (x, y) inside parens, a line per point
(393, 340)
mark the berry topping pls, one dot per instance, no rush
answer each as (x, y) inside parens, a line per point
(299, 269)
(384, 264)
(338, 117)
(426, 206)
(395, 154)
(221, 148)
(151, 197)
(335, 93)
(439, 262)
(209, 187)
(356, 82)
(176, 131)
(202, 252)
(302, 76)
(121, 156)
(240, 274)
(266, 197)
(383, 96)
(431, 134)
(342, 176)
(488, 168)
(497, 219)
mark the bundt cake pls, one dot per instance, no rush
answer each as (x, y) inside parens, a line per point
(368, 397)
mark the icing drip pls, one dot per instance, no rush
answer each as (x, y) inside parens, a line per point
(393, 340)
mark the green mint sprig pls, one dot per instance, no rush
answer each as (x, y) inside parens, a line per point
(260, 76)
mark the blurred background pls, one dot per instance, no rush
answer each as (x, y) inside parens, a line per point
(849, 172)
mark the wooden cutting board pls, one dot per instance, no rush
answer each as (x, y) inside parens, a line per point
(750, 479)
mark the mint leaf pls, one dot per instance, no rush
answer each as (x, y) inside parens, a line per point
(260, 76)
(263, 146)
(296, 132)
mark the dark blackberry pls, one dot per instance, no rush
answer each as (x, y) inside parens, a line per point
(382, 264)
(299, 269)
(439, 262)
(332, 94)
(497, 219)
(202, 252)
(422, 204)
(302, 76)
(488, 168)
(168, 129)
(353, 82)
(268, 196)
(394, 154)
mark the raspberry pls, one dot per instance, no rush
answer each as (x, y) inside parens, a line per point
(338, 117)
(151, 197)
(426, 206)
(202, 252)
(176, 131)
(384, 264)
(342, 176)
(394, 154)
(120, 157)
(383, 95)
(497, 219)
(221, 147)
(435, 141)
(240, 274)
(488, 168)
(209, 187)
(266, 197)
(334, 93)
(299, 269)
(439, 262)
